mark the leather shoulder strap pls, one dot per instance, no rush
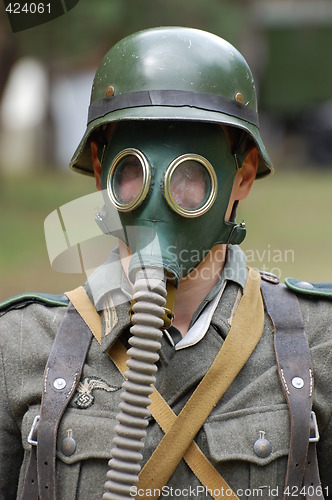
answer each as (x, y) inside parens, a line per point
(296, 378)
(62, 375)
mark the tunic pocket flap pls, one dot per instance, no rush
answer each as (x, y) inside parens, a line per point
(80, 436)
(256, 435)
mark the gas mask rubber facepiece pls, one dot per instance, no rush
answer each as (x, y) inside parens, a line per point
(171, 182)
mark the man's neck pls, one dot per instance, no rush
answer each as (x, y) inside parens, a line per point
(196, 285)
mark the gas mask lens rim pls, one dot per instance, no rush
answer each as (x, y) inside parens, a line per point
(208, 200)
(123, 206)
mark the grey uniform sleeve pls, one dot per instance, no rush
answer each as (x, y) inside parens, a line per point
(27, 333)
(11, 450)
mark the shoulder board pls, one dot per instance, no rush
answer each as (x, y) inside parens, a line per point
(26, 299)
(306, 288)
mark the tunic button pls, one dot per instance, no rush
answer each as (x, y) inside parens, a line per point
(262, 447)
(68, 445)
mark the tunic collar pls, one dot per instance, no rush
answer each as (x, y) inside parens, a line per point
(110, 281)
(234, 270)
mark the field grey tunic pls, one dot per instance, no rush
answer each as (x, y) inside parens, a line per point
(252, 407)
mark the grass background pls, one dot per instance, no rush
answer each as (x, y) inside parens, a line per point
(287, 217)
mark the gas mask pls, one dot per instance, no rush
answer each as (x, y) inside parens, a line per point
(171, 181)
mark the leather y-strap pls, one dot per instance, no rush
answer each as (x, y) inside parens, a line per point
(62, 375)
(296, 378)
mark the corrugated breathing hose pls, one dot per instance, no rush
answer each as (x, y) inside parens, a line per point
(147, 319)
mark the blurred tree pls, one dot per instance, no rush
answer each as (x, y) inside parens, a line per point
(8, 55)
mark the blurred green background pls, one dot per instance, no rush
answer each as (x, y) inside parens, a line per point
(287, 44)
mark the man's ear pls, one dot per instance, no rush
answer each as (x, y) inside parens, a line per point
(96, 164)
(245, 176)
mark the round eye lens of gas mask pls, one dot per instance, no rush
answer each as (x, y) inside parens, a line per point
(190, 185)
(128, 180)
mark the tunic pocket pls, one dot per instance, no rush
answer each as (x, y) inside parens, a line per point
(84, 445)
(83, 450)
(249, 447)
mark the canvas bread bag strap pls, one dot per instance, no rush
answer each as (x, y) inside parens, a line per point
(296, 378)
(246, 330)
(205, 472)
(160, 410)
(242, 338)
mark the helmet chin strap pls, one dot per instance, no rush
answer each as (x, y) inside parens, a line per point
(239, 231)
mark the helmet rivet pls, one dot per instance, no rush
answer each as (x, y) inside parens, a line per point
(109, 92)
(239, 97)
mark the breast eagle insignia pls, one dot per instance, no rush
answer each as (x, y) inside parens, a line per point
(84, 397)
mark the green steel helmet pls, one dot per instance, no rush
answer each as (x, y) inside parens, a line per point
(173, 73)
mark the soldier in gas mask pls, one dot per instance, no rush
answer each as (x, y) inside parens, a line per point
(221, 350)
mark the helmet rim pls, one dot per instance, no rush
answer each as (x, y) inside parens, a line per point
(81, 160)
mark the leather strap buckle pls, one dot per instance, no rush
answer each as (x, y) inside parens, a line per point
(314, 433)
(32, 438)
